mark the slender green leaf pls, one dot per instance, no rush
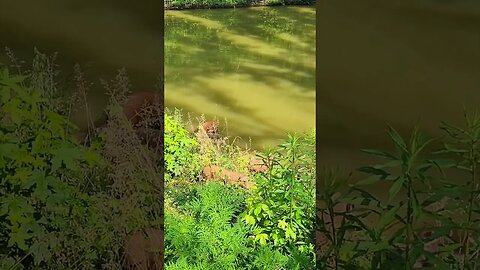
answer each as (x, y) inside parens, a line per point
(395, 188)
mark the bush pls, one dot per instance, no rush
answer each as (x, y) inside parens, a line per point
(281, 209)
(62, 205)
(39, 168)
(202, 232)
(180, 149)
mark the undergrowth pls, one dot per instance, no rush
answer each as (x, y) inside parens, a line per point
(220, 226)
(65, 205)
(431, 217)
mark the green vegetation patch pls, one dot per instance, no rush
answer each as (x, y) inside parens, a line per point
(214, 225)
(430, 218)
(64, 205)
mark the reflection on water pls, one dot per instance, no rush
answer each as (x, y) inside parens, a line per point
(253, 66)
(393, 61)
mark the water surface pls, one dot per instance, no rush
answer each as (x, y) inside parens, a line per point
(254, 67)
(392, 61)
(101, 35)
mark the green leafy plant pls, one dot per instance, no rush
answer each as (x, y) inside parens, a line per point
(280, 210)
(407, 169)
(463, 144)
(204, 231)
(429, 217)
(64, 205)
(180, 148)
(37, 171)
(205, 222)
(393, 240)
(338, 230)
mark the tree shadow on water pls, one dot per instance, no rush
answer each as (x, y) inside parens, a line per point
(229, 40)
(269, 51)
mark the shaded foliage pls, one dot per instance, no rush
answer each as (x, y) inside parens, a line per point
(430, 218)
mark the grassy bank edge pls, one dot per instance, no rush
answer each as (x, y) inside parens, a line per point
(238, 5)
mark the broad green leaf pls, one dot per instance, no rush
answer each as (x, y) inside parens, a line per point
(374, 247)
(40, 251)
(8, 149)
(249, 219)
(257, 210)
(22, 176)
(92, 157)
(67, 155)
(18, 238)
(262, 238)
(282, 224)
(289, 233)
(41, 189)
(5, 94)
(41, 143)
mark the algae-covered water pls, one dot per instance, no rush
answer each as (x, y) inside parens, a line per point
(254, 67)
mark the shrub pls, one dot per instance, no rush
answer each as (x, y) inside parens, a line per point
(64, 206)
(202, 232)
(281, 209)
(180, 149)
(39, 168)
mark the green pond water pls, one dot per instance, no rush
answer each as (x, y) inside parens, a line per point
(392, 61)
(254, 67)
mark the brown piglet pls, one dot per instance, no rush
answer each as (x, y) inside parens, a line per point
(144, 250)
(214, 172)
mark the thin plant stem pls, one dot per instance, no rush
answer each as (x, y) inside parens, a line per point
(473, 188)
